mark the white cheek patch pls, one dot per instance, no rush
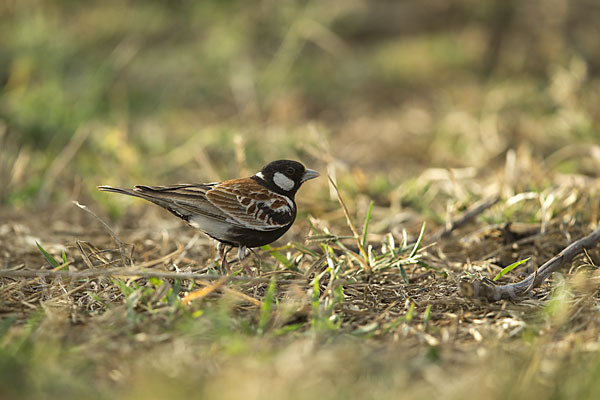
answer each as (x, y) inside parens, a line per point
(283, 181)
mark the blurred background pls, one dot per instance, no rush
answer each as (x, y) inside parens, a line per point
(424, 107)
(377, 92)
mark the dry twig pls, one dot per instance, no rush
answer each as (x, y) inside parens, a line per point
(470, 214)
(486, 289)
(120, 272)
(126, 258)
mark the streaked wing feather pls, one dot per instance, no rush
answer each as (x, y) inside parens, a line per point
(251, 205)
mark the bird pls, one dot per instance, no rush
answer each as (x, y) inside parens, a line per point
(244, 212)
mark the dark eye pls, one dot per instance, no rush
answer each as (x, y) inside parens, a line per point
(290, 171)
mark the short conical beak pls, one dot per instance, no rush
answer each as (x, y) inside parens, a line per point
(309, 174)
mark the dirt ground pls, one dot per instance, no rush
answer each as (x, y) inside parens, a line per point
(412, 305)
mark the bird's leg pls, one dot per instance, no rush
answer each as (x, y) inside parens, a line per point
(242, 257)
(258, 258)
(223, 250)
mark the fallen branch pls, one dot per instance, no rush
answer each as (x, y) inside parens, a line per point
(486, 289)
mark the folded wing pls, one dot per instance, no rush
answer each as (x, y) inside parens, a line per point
(251, 205)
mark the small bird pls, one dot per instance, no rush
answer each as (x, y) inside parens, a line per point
(243, 213)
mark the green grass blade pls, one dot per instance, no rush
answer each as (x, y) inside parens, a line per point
(173, 296)
(304, 249)
(404, 239)
(403, 274)
(47, 256)
(65, 264)
(510, 268)
(126, 291)
(425, 265)
(427, 315)
(409, 314)
(366, 225)
(366, 329)
(277, 255)
(418, 243)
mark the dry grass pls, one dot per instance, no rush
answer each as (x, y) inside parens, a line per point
(424, 110)
(327, 325)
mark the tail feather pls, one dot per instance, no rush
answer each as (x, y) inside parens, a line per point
(128, 192)
(182, 205)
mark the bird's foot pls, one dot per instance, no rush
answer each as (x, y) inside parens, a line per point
(243, 262)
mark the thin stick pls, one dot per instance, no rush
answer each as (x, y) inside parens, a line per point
(124, 257)
(486, 289)
(470, 214)
(119, 272)
(86, 259)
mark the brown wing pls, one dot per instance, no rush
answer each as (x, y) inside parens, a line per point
(252, 205)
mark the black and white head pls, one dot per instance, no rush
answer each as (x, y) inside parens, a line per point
(285, 176)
